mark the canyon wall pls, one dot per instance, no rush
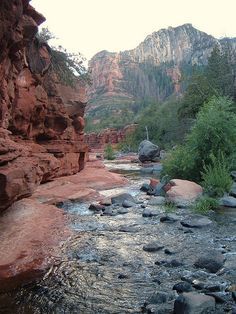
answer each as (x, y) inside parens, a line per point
(151, 72)
(41, 121)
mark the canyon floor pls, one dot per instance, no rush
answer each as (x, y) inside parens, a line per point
(124, 261)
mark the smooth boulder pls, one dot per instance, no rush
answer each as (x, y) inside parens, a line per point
(194, 303)
(148, 151)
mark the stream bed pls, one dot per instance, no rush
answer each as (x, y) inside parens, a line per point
(105, 268)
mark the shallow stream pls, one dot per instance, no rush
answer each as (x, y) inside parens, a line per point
(105, 269)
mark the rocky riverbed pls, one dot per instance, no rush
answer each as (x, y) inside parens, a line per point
(128, 259)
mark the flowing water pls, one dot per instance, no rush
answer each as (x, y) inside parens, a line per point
(104, 268)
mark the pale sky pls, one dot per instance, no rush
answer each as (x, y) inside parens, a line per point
(89, 26)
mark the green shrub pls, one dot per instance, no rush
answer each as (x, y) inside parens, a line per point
(216, 176)
(109, 152)
(205, 204)
(214, 131)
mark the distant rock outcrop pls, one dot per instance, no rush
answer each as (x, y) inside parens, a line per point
(41, 121)
(153, 70)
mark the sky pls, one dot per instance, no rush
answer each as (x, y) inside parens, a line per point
(89, 26)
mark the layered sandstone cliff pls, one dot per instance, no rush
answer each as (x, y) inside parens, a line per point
(41, 121)
(154, 70)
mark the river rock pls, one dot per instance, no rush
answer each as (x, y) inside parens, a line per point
(228, 201)
(212, 261)
(120, 198)
(194, 303)
(153, 247)
(183, 192)
(96, 207)
(128, 229)
(122, 211)
(196, 221)
(158, 200)
(170, 218)
(128, 204)
(145, 187)
(149, 213)
(182, 286)
(147, 151)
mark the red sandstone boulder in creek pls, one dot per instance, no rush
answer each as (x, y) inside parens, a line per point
(29, 233)
(183, 193)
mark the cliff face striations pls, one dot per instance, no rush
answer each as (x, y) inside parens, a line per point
(152, 71)
(41, 121)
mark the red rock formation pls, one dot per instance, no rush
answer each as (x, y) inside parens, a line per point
(108, 136)
(41, 121)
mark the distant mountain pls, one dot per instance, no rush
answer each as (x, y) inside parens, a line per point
(153, 71)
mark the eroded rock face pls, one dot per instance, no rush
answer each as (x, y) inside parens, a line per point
(41, 121)
(152, 70)
(108, 136)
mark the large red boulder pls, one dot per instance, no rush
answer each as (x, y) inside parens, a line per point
(29, 235)
(183, 192)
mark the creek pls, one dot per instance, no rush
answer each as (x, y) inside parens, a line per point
(105, 269)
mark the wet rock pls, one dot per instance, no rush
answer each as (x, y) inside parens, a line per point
(234, 310)
(143, 206)
(170, 218)
(212, 261)
(122, 211)
(183, 193)
(173, 263)
(158, 298)
(218, 296)
(159, 200)
(150, 213)
(97, 207)
(228, 201)
(119, 199)
(182, 286)
(194, 303)
(123, 276)
(146, 170)
(168, 252)
(109, 212)
(196, 221)
(147, 151)
(234, 295)
(128, 204)
(153, 247)
(145, 187)
(128, 229)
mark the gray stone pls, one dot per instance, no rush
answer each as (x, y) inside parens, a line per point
(219, 297)
(122, 211)
(194, 303)
(228, 201)
(212, 261)
(128, 204)
(146, 170)
(158, 200)
(128, 229)
(145, 187)
(170, 218)
(182, 286)
(147, 151)
(196, 221)
(153, 247)
(109, 212)
(119, 199)
(96, 207)
(150, 213)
